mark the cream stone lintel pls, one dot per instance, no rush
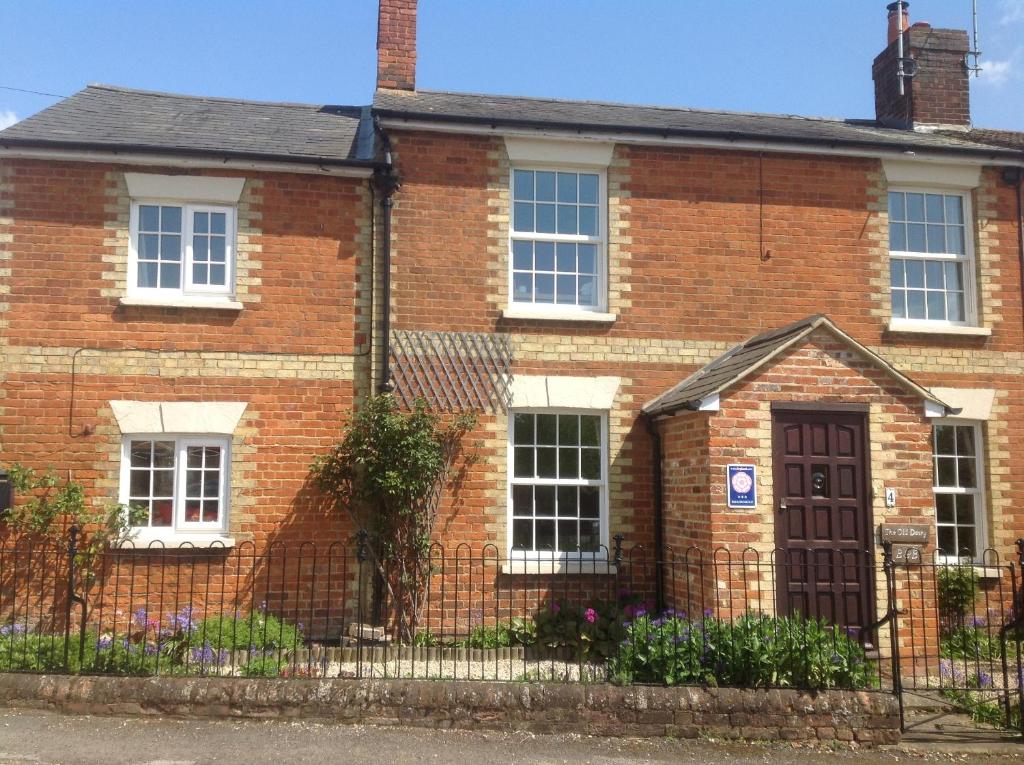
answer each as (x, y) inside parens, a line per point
(933, 174)
(973, 403)
(548, 152)
(209, 417)
(551, 392)
(193, 188)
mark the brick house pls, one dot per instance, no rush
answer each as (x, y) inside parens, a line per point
(690, 328)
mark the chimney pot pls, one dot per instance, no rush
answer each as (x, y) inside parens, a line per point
(897, 22)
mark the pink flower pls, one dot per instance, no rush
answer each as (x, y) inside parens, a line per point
(555, 608)
(590, 615)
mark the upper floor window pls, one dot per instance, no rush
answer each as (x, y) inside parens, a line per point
(931, 258)
(557, 239)
(181, 250)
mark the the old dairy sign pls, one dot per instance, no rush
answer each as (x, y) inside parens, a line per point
(909, 534)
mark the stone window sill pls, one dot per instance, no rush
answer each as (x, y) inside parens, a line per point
(172, 541)
(207, 304)
(528, 314)
(922, 328)
(541, 567)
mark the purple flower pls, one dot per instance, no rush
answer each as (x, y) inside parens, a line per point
(976, 621)
(555, 608)
(104, 642)
(13, 629)
(590, 615)
(182, 621)
(140, 618)
(151, 649)
(207, 655)
(708, 613)
(984, 679)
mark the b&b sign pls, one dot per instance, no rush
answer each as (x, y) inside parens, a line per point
(741, 484)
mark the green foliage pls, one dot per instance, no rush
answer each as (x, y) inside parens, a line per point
(754, 651)
(974, 642)
(262, 666)
(957, 588)
(23, 650)
(387, 469)
(501, 635)
(425, 639)
(594, 631)
(258, 631)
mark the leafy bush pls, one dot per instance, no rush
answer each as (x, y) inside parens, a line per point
(26, 651)
(957, 587)
(752, 651)
(517, 631)
(258, 631)
(594, 631)
(262, 666)
(974, 641)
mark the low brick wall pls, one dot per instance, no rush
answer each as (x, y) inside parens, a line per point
(599, 709)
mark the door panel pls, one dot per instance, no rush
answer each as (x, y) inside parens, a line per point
(823, 516)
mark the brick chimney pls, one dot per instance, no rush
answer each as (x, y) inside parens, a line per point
(396, 44)
(938, 93)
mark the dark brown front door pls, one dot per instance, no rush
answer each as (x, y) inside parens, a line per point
(823, 516)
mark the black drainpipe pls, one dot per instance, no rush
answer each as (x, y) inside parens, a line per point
(386, 182)
(657, 488)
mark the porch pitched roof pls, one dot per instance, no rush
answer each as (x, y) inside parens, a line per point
(753, 354)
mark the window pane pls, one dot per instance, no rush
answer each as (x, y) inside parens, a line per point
(149, 246)
(218, 275)
(149, 218)
(162, 512)
(163, 483)
(170, 275)
(953, 276)
(566, 290)
(192, 510)
(587, 258)
(523, 217)
(590, 536)
(933, 274)
(201, 223)
(590, 463)
(588, 221)
(945, 471)
(899, 304)
(547, 429)
(211, 483)
(522, 428)
(965, 444)
(565, 258)
(523, 463)
(934, 208)
(200, 248)
(148, 275)
(568, 430)
(545, 256)
(915, 305)
(915, 273)
(590, 430)
(966, 541)
(567, 539)
(546, 462)
(916, 238)
(567, 187)
(588, 291)
(545, 219)
(212, 456)
(947, 540)
(567, 502)
(590, 502)
(141, 453)
(955, 240)
(945, 439)
(217, 249)
(544, 499)
(218, 223)
(954, 209)
(522, 534)
(897, 206)
(545, 531)
(545, 186)
(200, 273)
(170, 219)
(955, 306)
(569, 463)
(522, 287)
(937, 306)
(163, 453)
(965, 510)
(945, 508)
(170, 247)
(936, 238)
(544, 288)
(522, 184)
(588, 188)
(522, 255)
(193, 483)
(898, 237)
(138, 484)
(211, 510)
(522, 500)
(915, 208)
(968, 473)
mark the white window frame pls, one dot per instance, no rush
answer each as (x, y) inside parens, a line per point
(187, 289)
(180, 529)
(968, 260)
(981, 538)
(601, 241)
(555, 555)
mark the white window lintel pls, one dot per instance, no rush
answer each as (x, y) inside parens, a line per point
(206, 417)
(932, 174)
(975, 404)
(190, 188)
(581, 153)
(552, 392)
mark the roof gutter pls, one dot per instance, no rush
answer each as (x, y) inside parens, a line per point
(696, 137)
(138, 154)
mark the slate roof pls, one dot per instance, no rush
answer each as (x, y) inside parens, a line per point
(120, 119)
(595, 116)
(750, 355)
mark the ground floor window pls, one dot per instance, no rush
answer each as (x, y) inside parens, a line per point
(959, 489)
(177, 484)
(558, 482)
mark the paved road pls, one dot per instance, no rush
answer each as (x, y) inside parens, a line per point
(29, 737)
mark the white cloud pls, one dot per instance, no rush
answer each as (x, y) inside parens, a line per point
(1012, 11)
(7, 118)
(998, 72)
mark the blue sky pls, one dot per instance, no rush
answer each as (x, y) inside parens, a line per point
(809, 57)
